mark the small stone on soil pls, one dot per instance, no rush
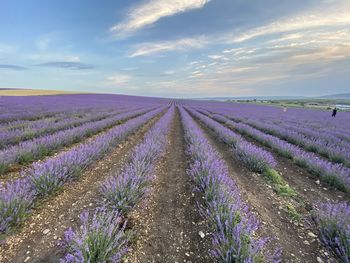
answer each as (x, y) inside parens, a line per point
(312, 235)
(319, 260)
(46, 231)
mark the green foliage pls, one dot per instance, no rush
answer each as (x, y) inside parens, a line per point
(292, 212)
(280, 186)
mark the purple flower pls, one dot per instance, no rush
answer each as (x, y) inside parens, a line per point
(101, 237)
(333, 221)
(123, 191)
(234, 225)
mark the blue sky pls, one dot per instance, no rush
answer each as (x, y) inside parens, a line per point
(177, 48)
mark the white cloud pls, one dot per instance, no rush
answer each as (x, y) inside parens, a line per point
(151, 11)
(214, 56)
(336, 17)
(146, 49)
(118, 79)
(72, 59)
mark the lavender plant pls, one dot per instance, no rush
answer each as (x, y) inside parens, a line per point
(34, 149)
(44, 178)
(20, 131)
(16, 200)
(335, 174)
(232, 222)
(122, 192)
(104, 238)
(255, 158)
(101, 238)
(333, 221)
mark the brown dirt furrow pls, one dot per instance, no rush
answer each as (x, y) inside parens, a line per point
(56, 214)
(167, 225)
(290, 235)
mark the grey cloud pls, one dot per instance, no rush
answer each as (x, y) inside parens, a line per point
(66, 65)
(12, 67)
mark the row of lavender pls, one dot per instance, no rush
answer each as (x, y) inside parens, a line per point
(325, 144)
(18, 131)
(18, 197)
(316, 121)
(332, 219)
(253, 157)
(102, 235)
(37, 107)
(37, 148)
(14, 109)
(335, 174)
(234, 226)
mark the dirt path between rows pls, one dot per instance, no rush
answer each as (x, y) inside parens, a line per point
(168, 224)
(37, 240)
(291, 236)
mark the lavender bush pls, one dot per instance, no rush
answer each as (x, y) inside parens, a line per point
(16, 200)
(335, 174)
(255, 158)
(234, 226)
(103, 238)
(313, 130)
(38, 107)
(333, 220)
(48, 176)
(124, 190)
(26, 130)
(100, 238)
(35, 149)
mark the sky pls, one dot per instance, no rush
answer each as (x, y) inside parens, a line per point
(177, 48)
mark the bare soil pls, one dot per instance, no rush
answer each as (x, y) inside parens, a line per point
(168, 225)
(292, 236)
(31, 243)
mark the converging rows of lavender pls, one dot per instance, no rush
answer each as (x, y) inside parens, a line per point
(47, 142)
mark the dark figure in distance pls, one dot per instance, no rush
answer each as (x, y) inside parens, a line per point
(334, 112)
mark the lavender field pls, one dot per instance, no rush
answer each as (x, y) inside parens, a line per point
(112, 178)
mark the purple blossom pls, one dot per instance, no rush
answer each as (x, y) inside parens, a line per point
(34, 149)
(335, 174)
(16, 200)
(333, 221)
(46, 177)
(100, 238)
(255, 158)
(234, 225)
(123, 191)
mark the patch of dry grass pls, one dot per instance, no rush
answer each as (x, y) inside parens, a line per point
(32, 92)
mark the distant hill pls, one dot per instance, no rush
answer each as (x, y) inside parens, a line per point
(345, 96)
(256, 98)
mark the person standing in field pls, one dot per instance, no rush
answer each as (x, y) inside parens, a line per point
(334, 112)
